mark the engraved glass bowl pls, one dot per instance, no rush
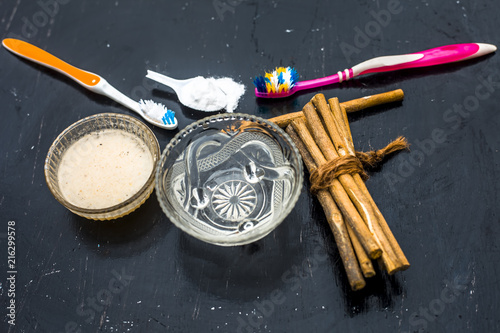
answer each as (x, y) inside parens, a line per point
(89, 125)
(229, 179)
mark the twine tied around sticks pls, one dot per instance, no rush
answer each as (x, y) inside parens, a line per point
(322, 177)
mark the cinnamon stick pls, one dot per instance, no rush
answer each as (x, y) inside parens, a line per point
(346, 123)
(382, 229)
(364, 261)
(334, 218)
(339, 118)
(284, 120)
(312, 111)
(340, 195)
(373, 100)
(350, 106)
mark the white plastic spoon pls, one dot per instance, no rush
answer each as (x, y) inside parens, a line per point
(198, 93)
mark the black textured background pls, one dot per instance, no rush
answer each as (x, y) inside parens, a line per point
(440, 199)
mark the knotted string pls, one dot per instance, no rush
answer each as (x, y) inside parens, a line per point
(322, 177)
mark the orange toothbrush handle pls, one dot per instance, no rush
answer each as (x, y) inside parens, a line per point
(33, 53)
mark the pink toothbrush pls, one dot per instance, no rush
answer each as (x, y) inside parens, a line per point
(283, 82)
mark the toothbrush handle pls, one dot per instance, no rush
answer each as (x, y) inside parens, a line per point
(431, 57)
(35, 54)
(91, 81)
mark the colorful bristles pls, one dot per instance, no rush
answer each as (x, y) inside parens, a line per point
(282, 79)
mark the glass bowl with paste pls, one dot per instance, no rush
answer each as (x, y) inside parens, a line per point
(102, 167)
(229, 179)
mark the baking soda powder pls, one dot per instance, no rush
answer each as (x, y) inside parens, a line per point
(212, 94)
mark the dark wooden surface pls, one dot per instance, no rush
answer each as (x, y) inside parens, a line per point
(142, 274)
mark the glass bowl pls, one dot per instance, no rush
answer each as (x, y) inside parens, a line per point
(95, 125)
(229, 179)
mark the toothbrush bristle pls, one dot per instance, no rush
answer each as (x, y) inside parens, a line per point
(282, 79)
(158, 112)
(169, 117)
(260, 84)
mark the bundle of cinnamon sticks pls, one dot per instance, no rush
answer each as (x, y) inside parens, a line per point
(322, 135)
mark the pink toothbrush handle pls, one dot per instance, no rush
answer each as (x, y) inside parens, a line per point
(431, 57)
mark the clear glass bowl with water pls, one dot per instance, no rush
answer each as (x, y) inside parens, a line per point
(229, 179)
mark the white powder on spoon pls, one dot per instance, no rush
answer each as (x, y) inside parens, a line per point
(212, 94)
(233, 91)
